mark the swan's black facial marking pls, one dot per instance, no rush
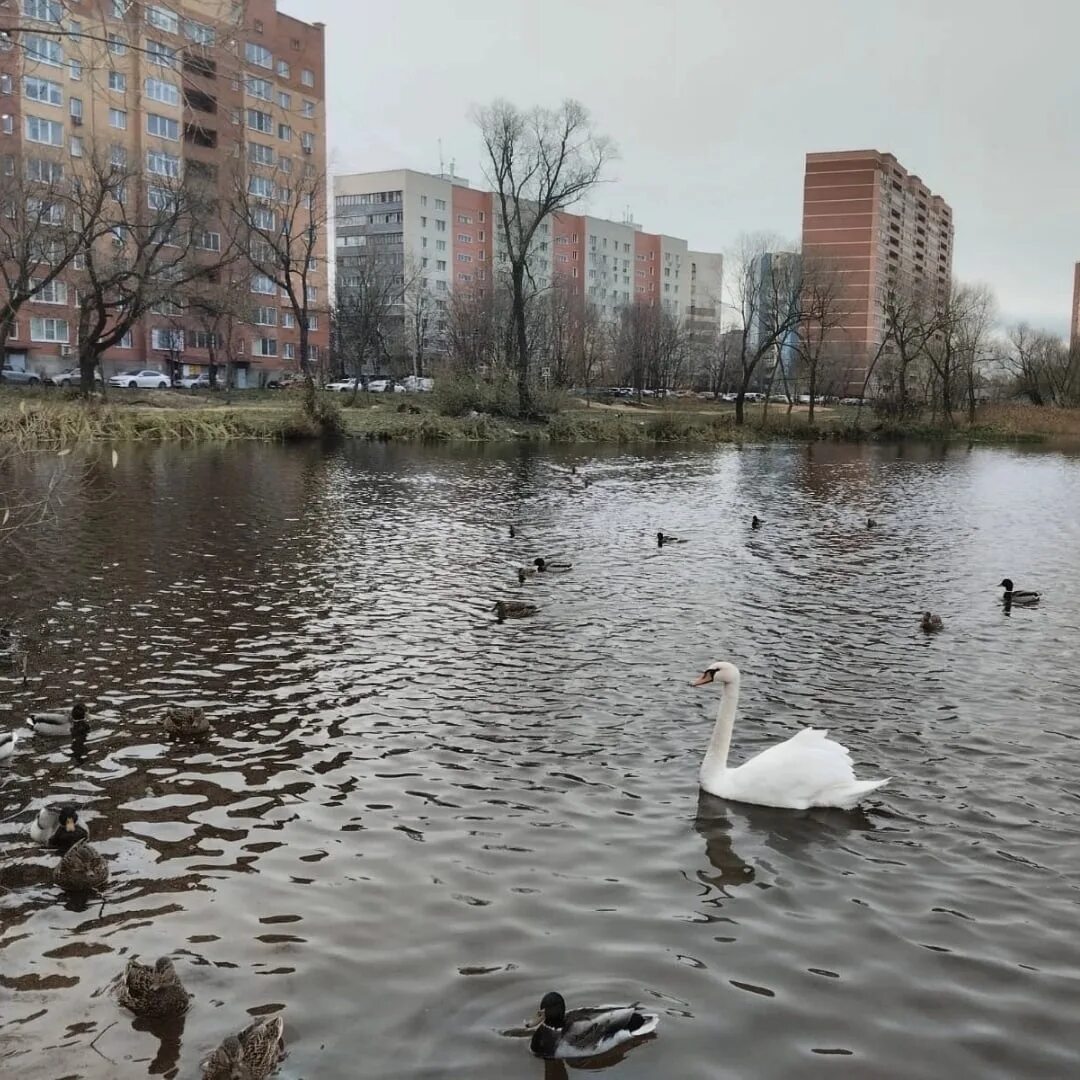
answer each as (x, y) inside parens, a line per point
(706, 677)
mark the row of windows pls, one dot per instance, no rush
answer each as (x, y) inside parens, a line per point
(261, 56)
(263, 89)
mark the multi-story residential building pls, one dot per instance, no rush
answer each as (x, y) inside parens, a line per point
(878, 227)
(706, 270)
(169, 89)
(445, 233)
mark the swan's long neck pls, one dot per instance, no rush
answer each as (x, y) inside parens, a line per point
(717, 754)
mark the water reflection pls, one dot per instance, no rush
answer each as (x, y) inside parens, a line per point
(408, 822)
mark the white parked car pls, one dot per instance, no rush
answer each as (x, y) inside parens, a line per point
(141, 380)
(194, 382)
(378, 386)
(418, 384)
(345, 386)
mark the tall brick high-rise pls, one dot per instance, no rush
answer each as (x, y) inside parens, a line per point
(879, 227)
(170, 89)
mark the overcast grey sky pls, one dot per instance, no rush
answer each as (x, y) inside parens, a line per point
(713, 104)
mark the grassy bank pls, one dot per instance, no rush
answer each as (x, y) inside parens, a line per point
(46, 420)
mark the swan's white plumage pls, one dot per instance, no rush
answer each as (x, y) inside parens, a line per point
(809, 769)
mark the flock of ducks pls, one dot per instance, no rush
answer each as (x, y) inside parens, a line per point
(807, 770)
(148, 991)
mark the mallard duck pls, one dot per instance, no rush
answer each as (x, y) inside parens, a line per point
(8, 739)
(183, 721)
(513, 532)
(58, 827)
(251, 1055)
(583, 1033)
(513, 609)
(82, 868)
(544, 565)
(1018, 596)
(153, 991)
(525, 572)
(60, 724)
(756, 522)
(930, 622)
(664, 538)
(871, 523)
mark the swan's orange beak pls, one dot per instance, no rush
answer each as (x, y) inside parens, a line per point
(703, 679)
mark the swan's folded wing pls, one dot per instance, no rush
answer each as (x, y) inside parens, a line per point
(795, 771)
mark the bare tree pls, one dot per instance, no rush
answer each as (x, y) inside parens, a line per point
(367, 310)
(592, 347)
(144, 253)
(478, 332)
(280, 220)
(538, 162)
(423, 327)
(912, 320)
(765, 293)
(215, 310)
(40, 232)
(652, 343)
(1042, 367)
(819, 331)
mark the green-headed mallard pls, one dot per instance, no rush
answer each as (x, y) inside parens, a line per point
(82, 868)
(547, 565)
(251, 1055)
(588, 1032)
(1018, 596)
(60, 724)
(513, 609)
(930, 622)
(58, 827)
(153, 991)
(663, 538)
(183, 721)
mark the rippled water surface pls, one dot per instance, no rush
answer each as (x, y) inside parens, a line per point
(411, 821)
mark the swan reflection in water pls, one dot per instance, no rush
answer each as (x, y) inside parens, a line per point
(788, 832)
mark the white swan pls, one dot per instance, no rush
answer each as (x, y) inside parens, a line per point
(806, 770)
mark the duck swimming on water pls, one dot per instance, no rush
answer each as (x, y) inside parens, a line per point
(587, 1032)
(756, 522)
(513, 609)
(60, 724)
(1018, 596)
(544, 565)
(59, 828)
(930, 622)
(663, 538)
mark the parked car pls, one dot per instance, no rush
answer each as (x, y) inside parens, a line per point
(72, 377)
(194, 382)
(345, 386)
(141, 380)
(851, 401)
(15, 375)
(378, 386)
(284, 382)
(418, 384)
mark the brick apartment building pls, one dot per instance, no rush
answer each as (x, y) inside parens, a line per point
(878, 225)
(177, 86)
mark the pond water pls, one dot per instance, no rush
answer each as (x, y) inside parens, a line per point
(411, 821)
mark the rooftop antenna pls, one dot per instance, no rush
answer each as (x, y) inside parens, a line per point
(441, 168)
(452, 164)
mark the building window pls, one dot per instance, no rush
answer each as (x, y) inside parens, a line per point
(158, 52)
(259, 154)
(284, 132)
(160, 90)
(307, 110)
(125, 341)
(266, 346)
(283, 69)
(288, 320)
(198, 32)
(260, 121)
(259, 88)
(265, 316)
(75, 69)
(440, 245)
(49, 132)
(117, 81)
(162, 164)
(258, 54)
(307, 77)
(207, 241)
(440, 225)
(42, 49)
(56, 292)
(167, 339)
(464, 238)
(42, 90)
(262, 217)
(284, 100)
(307, 141)
(163, 19)
(311, 294)
(49, 330)
(163, 127)
(462, 257)
(118, 119)
(116, 44)
(75, 110)
(76, 146)
(260, 283)
(440, 265)
(161, 199)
